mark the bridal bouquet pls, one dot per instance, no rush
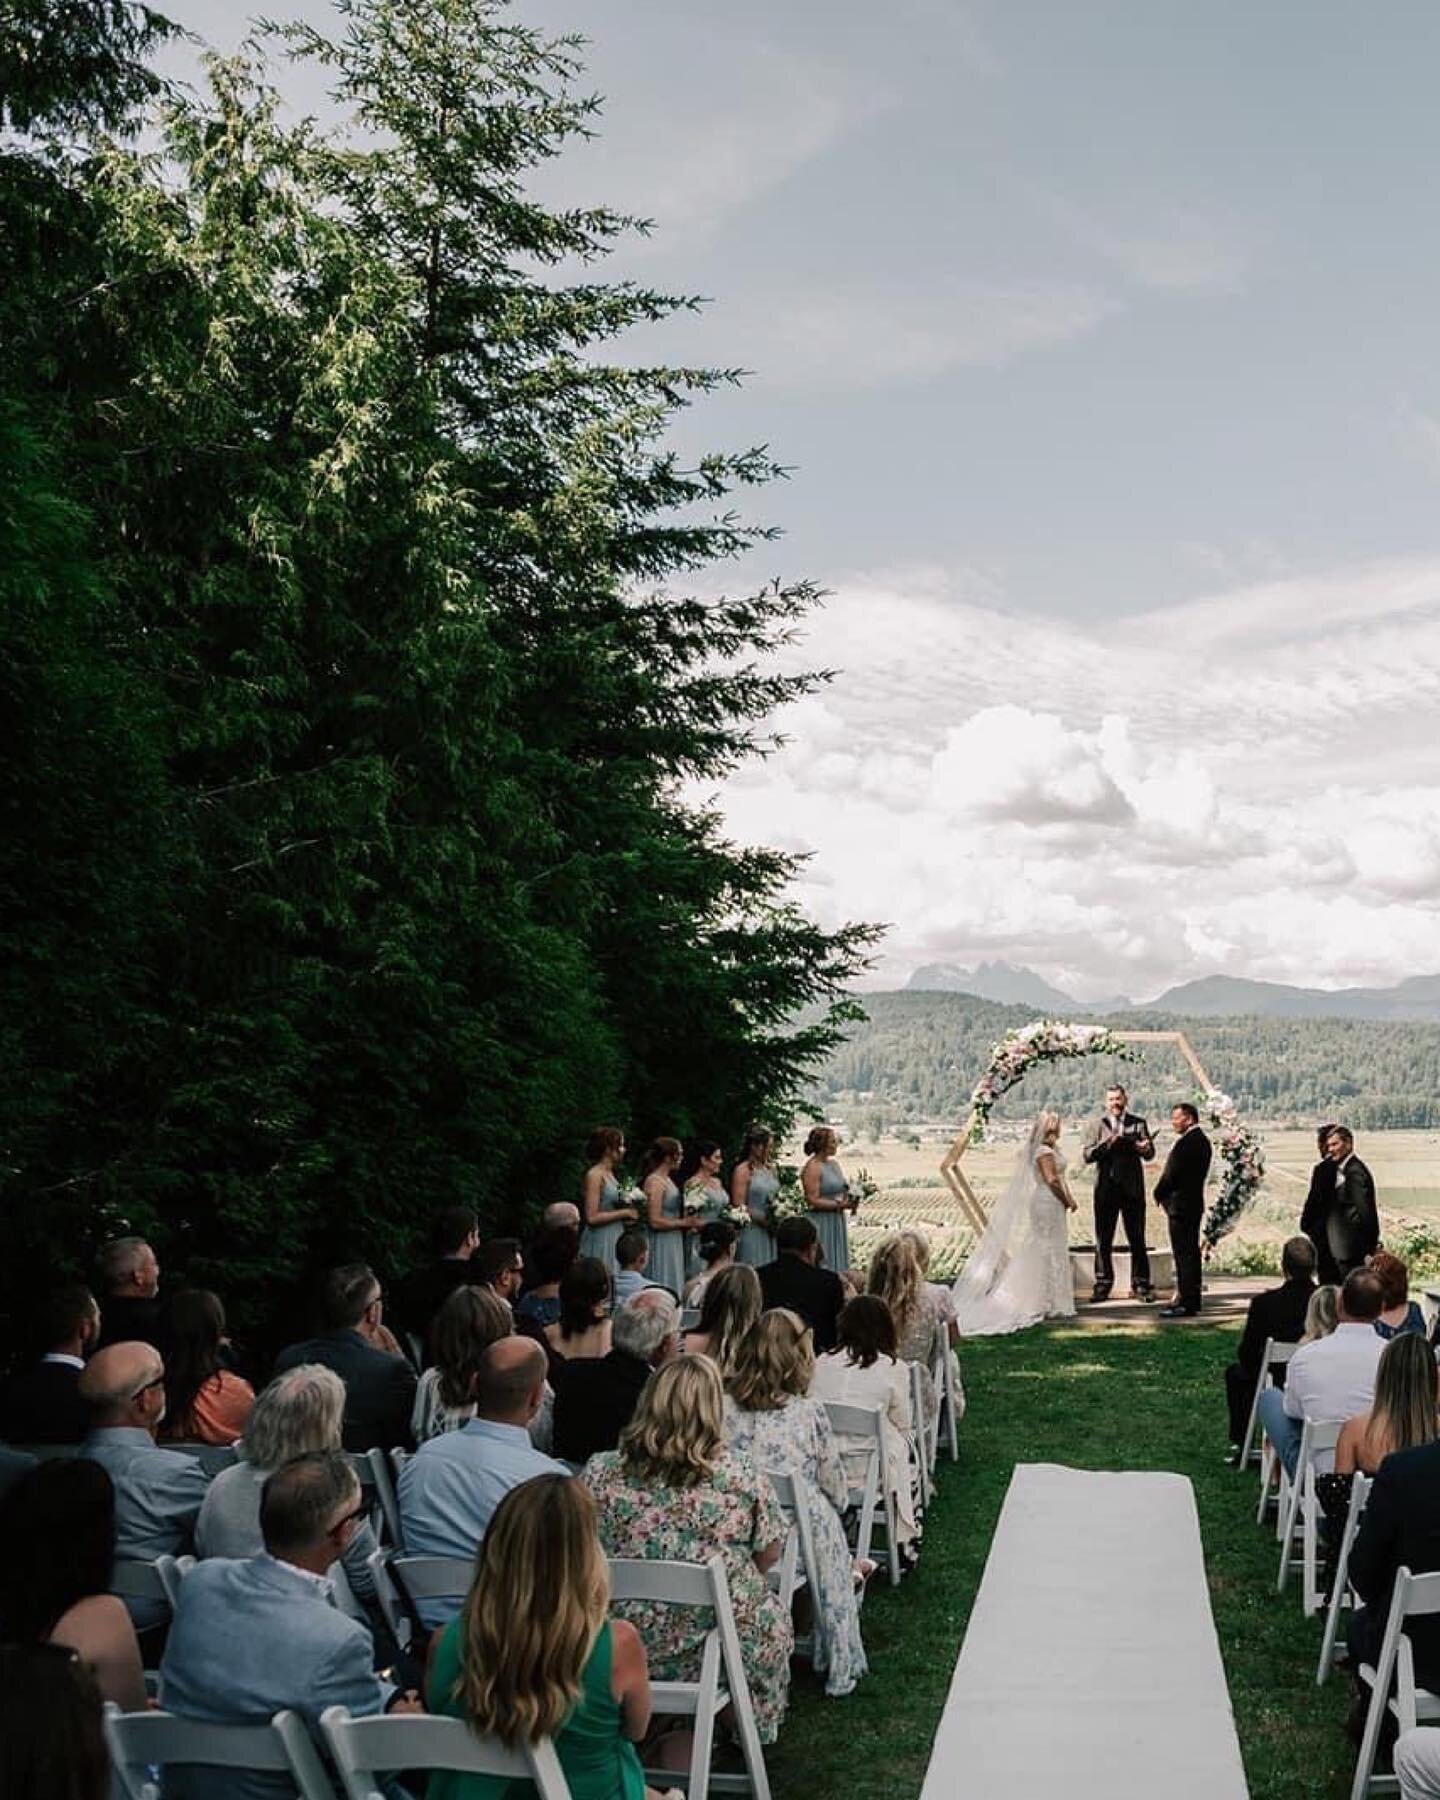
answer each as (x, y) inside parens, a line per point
(1242, 1160)
(789, 1201)
(1043, 1040)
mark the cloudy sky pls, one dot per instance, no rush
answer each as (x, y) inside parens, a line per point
(1105, 343)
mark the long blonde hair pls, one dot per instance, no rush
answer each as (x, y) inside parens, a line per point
(898, 1279)
(729, 1306)
(1322, 1314)
(677, 1432)
(775, 1361)
(537, 1601)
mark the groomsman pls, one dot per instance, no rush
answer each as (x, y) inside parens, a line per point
(1181, 1191)
(1340, 1215)
(1119, 1141)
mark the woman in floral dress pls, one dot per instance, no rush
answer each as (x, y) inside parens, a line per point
(770, 1417)
(753, 1186)
(675, 1492)
(921, 1333)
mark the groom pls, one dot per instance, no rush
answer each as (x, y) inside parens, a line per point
(1119, 1141)
(1181, 1191)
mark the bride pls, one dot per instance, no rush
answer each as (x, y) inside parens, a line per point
(1019, 1272)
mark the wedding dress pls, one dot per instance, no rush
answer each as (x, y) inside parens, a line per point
(1019, 1272)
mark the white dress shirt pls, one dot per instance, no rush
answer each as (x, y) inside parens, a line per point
(1334, 1378)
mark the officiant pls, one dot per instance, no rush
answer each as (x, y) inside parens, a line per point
(1118, 1143)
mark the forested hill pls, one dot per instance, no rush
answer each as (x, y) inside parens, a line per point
(917, 1055)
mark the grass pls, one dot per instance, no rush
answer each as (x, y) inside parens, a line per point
(1099, 1398)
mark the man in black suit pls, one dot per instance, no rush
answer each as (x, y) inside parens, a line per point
(795, 1279)
(1278, 1313)
(42, 1405)
(1181, 1192)
(379, 1386)
(1119, 1141)
(1317, 1205)
(1343, 1219)
(127, 1281)
(1400, 1527)
(455, 1234)
(596, 1396)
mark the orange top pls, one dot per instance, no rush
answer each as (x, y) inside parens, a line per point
(221, 1410)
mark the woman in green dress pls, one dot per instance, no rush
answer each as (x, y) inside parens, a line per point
(534, 1655)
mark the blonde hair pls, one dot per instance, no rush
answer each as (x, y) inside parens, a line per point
(897, 1277)
(1048, 1121)
(537, 1601)
(822, 1141)
(922, 1247)
(677, 1432)
(1322, 1314)
(775, 1362)
(730, 1305)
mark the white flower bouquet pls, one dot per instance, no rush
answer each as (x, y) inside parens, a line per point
(789, 1201)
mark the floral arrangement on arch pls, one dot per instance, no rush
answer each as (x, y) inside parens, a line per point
(1242, 1159)
(1041, 1041)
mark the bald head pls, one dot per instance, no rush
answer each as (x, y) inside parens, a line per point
(124, 1385)
(560, 1213)
(510, 1381)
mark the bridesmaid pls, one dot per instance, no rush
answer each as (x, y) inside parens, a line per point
(665, 1216)
(827, 1194)
(605, 1218)
(701, 1169)
(753, 1186)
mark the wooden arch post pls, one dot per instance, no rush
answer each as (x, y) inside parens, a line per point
(954, 1176)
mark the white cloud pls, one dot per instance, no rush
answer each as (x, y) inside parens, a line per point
(1174, 249)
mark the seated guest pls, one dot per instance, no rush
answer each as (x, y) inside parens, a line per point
(533, 1654)
(1322, 1315)
(796, 1280)
(453, 1483)
(921, 1333)
(57, 1559)
(205, 1403)
(1331, 1378)
(595, 1396)
(127, 1276)
(583, 1328)
(464, 1328)
(13, 1464)
(1398, 1312)
(158, 1493)
(673, 1492)
(500, 1267)
(299, 1413)
(1278, 1313)
(43, 1405)
(731, 1306)
(863, 1370)
(942, 1299)
(379, 1388)
(632, 1259)
(254, 1636)
(770, 1417)
(1400, 1528)
(455, 1237)
(550, 1256)
(52, 1734)
(716, 1248)
(560, 1215)
(1403, 1415)
(1417, 1763)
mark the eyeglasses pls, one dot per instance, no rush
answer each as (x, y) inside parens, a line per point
(159, 1381)
(349, 1518)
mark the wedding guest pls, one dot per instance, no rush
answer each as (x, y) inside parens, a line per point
(158, 1493)
(770, 1417)
(1398, 1313)
(717, 1253)
(379, 1387)
(731, 1306)
(533, 1653)
(551, 1255)
(632, 1261)
(257, 1636)
(673, 1492)
(1318, 1201)
(205, 1402)
(671, 1228)
(1322, 1315)
(499, 1267)
(13, 1465)
(1278, 1314)
(455, 1236)
(42, 1404)
(944, 1295)
(468, 1322)
(583, 1328)
(299, 1413)
(562, 1215)
(827, 1194)
(52, 1737)
(1397, 1530)
(1403, 1414)
(57, 1559)
(864, 1370)
(595, 1397)
(127, 1274)
(604, 1213)
(795, 1279)
(1331, 1378)
(754, 1184)
(1416, 1763)
(921, 1337)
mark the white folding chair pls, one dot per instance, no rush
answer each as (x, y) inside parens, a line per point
(721, 1681)
(366, 1749)
(158, 1579)
(1302, 1511)
(797, 1566)
(403, 1582)
(1275, 1356)
(345, 1598)
(876, 1496)
(690, 1318)
(1340, 1591)
(946, 1376)
(141, 1742)
(926, 1429)
(380, 1473)
(398, 1460)
(1414, 1597)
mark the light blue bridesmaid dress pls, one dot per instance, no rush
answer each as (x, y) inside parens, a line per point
(667, 1248)
(600, 1240)
(833, 1227)
(757, 1242)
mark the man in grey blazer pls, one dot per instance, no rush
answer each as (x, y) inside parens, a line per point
(254, 1636)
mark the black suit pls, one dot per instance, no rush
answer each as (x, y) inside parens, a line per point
(379, 1388)
(1181, 1191)
(1278, 1313)
(1318, 1202)
(1120, 1194)
(1400, 1526)
(132, 1319)
(816, 1294)
(13, 1464)
(595, 1398)
(1353, 1224)
(424, 1291)
(43, 1406)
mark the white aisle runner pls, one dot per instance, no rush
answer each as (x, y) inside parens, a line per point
(1090, 1665)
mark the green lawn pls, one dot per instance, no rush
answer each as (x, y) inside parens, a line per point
(1148, 1398)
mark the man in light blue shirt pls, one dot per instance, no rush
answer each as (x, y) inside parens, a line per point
(158, 1493)
(453, 1483)
(632, 1256)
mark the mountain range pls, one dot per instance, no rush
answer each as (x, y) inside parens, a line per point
(1210, 997)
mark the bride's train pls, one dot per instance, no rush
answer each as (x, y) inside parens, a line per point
(1019, 1272)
